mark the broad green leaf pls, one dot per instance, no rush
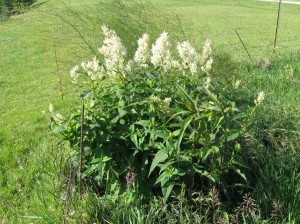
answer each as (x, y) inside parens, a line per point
(176, 133)
(207, 154)
(59, 129)
(190, 100)
(233, 136)
(85, 94)
(204, 116)
(160, 133)
(183, 112)
(106, 158)
(163, 178)
(122, 113)
(206, 174)
(160, 156)
(164, 166)
(134, 138)
(215, 149)
(144, 123)
(213, 108)
(183, 128)
(167, 190)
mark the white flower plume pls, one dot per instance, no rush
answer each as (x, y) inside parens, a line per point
(161, 52)
(207, 51)
(50, 108)
(167, 101)
(113, 51)
(93, 69)
(188, 55)
(74, 74)
(207, 67)
(260, 98)
(142, 53)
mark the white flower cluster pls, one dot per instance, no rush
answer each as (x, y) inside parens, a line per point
(91, 68)
(113, 51)
(161, 52)
(207, 66)
(188, 55)
(166, 102)
(114, 54)
(142, 53)
(54, 117)
(74, 74)
(206, 58)
(260, 98)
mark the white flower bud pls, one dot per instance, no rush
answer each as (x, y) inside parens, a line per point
(50, 108)
(260, 98)
(167, 101)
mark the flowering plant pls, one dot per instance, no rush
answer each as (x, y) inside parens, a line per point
(156, 120)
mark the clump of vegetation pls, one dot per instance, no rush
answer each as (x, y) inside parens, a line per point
(156, 124)
(9, 7)
(40, 178)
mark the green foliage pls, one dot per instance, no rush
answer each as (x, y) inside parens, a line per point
(27, 194)
(4, 9)
(153, 129)
(8, 7)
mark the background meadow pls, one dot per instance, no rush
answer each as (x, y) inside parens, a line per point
(40, 46)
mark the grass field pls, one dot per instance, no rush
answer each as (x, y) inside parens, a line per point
(38, 47)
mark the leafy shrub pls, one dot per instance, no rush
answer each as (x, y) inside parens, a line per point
(155, 123)
(8, 7)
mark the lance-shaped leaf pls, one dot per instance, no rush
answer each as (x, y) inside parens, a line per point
(160, 156)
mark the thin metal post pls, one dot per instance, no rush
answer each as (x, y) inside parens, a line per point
(277, 27)
(244, 46)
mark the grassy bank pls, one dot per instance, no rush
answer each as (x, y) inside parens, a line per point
(39, 47)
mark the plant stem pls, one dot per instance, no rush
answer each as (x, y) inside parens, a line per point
(81, 152)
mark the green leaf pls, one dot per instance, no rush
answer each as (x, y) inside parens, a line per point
(183, 128)
(176, 133)
(144, 123)
(160, 156)
(208, 152)
(204, 116)
(233, 136)
(85, 94)
(163, 178)
(190, 100)
(59, 129)
(163, 167)
(166, 191)
(206, 174)
(122, 113)
(219, 122)
(238, 171)
(160, 133)
(239, 116)
(183, 112)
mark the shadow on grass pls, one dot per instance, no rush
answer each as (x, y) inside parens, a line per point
(36, 5)
(28, 8)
